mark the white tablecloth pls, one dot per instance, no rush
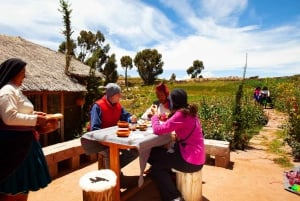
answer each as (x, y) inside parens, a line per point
(142, 140)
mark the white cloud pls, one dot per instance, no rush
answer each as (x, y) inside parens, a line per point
(211, 31)
(223, 11)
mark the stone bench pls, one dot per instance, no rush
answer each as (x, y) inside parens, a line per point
(220, 150)
(70, 153)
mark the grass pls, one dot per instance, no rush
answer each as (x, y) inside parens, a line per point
(276, 146)
(220, 94)
(283, 161)
(196, 92)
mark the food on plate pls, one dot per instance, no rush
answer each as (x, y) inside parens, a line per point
(123, 124)
(123, 133)
(142, 127)
(123, 129)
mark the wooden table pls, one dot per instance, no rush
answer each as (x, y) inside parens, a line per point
(143, 141)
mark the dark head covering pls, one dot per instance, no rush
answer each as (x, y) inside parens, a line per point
(178, 98)
(163, 88)
(9, 69)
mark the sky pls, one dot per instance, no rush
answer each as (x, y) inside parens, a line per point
(220, 33)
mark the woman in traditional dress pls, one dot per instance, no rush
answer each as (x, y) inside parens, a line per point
(23, 167)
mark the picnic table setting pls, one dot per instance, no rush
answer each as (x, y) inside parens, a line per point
(124, 135)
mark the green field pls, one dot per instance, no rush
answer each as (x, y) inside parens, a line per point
(223, 116)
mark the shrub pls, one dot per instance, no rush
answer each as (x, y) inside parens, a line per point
(218, 121)
(293, 127)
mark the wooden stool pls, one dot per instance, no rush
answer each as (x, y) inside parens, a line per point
(189, 184)
(103, 160)
(98, 185)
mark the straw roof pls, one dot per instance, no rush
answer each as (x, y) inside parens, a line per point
(45, 67)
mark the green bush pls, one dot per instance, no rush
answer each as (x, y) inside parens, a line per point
(215, 115)
(293, 127)
(218, 121)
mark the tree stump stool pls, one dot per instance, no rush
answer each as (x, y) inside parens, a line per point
(189, 185)
(98, 185)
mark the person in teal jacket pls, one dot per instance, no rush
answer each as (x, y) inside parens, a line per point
(188, 154)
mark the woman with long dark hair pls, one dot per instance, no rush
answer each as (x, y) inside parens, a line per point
(188, 154)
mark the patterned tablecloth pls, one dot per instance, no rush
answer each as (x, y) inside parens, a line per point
(142, 140)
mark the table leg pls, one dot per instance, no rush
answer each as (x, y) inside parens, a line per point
(115, 166)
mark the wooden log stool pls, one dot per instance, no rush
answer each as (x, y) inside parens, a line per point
(98, 185)
(189, 185)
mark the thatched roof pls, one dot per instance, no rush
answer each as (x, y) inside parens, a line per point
(45, 67)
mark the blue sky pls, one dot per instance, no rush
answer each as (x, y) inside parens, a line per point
(217, 32)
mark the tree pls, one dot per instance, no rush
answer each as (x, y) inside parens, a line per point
(63, 48)
(173, 77)
(196, 69)
(93, 52)
(110, 70)
(94, 92)
(91, 47)
(90, 43)
(126, 63)
(69, 44)
(149, 65)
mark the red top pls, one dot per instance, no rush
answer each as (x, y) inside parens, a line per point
(110, 114)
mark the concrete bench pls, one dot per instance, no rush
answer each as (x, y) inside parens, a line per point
(220, 150)
(69, 153)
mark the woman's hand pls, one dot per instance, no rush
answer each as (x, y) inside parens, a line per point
(39, 113)
(41, 120)
(152, 111)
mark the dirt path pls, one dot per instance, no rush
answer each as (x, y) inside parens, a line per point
(252, 176)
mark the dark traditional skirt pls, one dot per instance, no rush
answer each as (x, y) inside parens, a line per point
(23, 167)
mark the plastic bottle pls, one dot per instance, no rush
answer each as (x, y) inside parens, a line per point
(296, 188)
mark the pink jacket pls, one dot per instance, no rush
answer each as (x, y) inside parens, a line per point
(194, 150)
